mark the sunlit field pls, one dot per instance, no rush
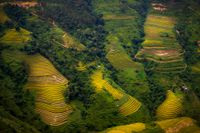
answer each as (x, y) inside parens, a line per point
(49, 86)
(128, 105)
(160, 45)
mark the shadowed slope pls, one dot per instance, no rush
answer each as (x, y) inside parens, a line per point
(161, 46)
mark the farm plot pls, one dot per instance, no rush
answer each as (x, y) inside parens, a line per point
(135, 127)
(49, 86)
(160, 45)
(130, 69)
(128, 105)
(66, 40)
(170, 108)
(12, 36)
(122, 28)
(179, 125)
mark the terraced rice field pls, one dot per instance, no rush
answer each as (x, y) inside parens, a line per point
(179, 125)
(49, 86)
(171, 107)
(16, 37)
(135, 127)
(67, 40)
(126, 103)
(121, 31)
(160, 45)
(117, 17)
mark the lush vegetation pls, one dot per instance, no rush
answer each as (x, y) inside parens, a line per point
(188, 27)
(112, 66)
(161, 46)
(17, 105)
(49, 86)
(123, 43)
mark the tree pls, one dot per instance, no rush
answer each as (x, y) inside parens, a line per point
(106, 114)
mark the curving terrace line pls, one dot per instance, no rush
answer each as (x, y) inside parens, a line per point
(49, 86)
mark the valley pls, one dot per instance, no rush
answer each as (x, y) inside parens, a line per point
(117, 66)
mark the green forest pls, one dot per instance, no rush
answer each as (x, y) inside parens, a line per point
(99, 66)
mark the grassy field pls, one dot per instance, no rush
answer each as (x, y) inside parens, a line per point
(49, 86)
(161, 46)
(126, 103)
(121, 27)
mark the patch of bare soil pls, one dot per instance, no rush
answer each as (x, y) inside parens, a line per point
(25, 4)
(159, 7)
(161, 53)
(179, 126)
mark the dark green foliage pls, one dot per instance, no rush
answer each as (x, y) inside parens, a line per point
(80, 87)
(2, 28)
(154, 98)
(141, 7)
(191, 105)
(188, 27)
(17, 14)
(101, 114)
(16, 104)
(188, 33)
(74, 14)
(9, 24)
(77, 18)
(94, 112)
(152, 128)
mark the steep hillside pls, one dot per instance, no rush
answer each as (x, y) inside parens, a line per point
(161, 46)
(119, 18)
(49, 86)
(126, 103)
(88, 66)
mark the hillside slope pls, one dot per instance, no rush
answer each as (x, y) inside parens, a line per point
(119, 18)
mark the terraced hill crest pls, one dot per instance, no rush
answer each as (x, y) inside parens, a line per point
(12, 36)
(121, 28)
(161, 46)
(179, 125)
(171, 107)
(49, 86)
(126, 103)
(135, 127)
